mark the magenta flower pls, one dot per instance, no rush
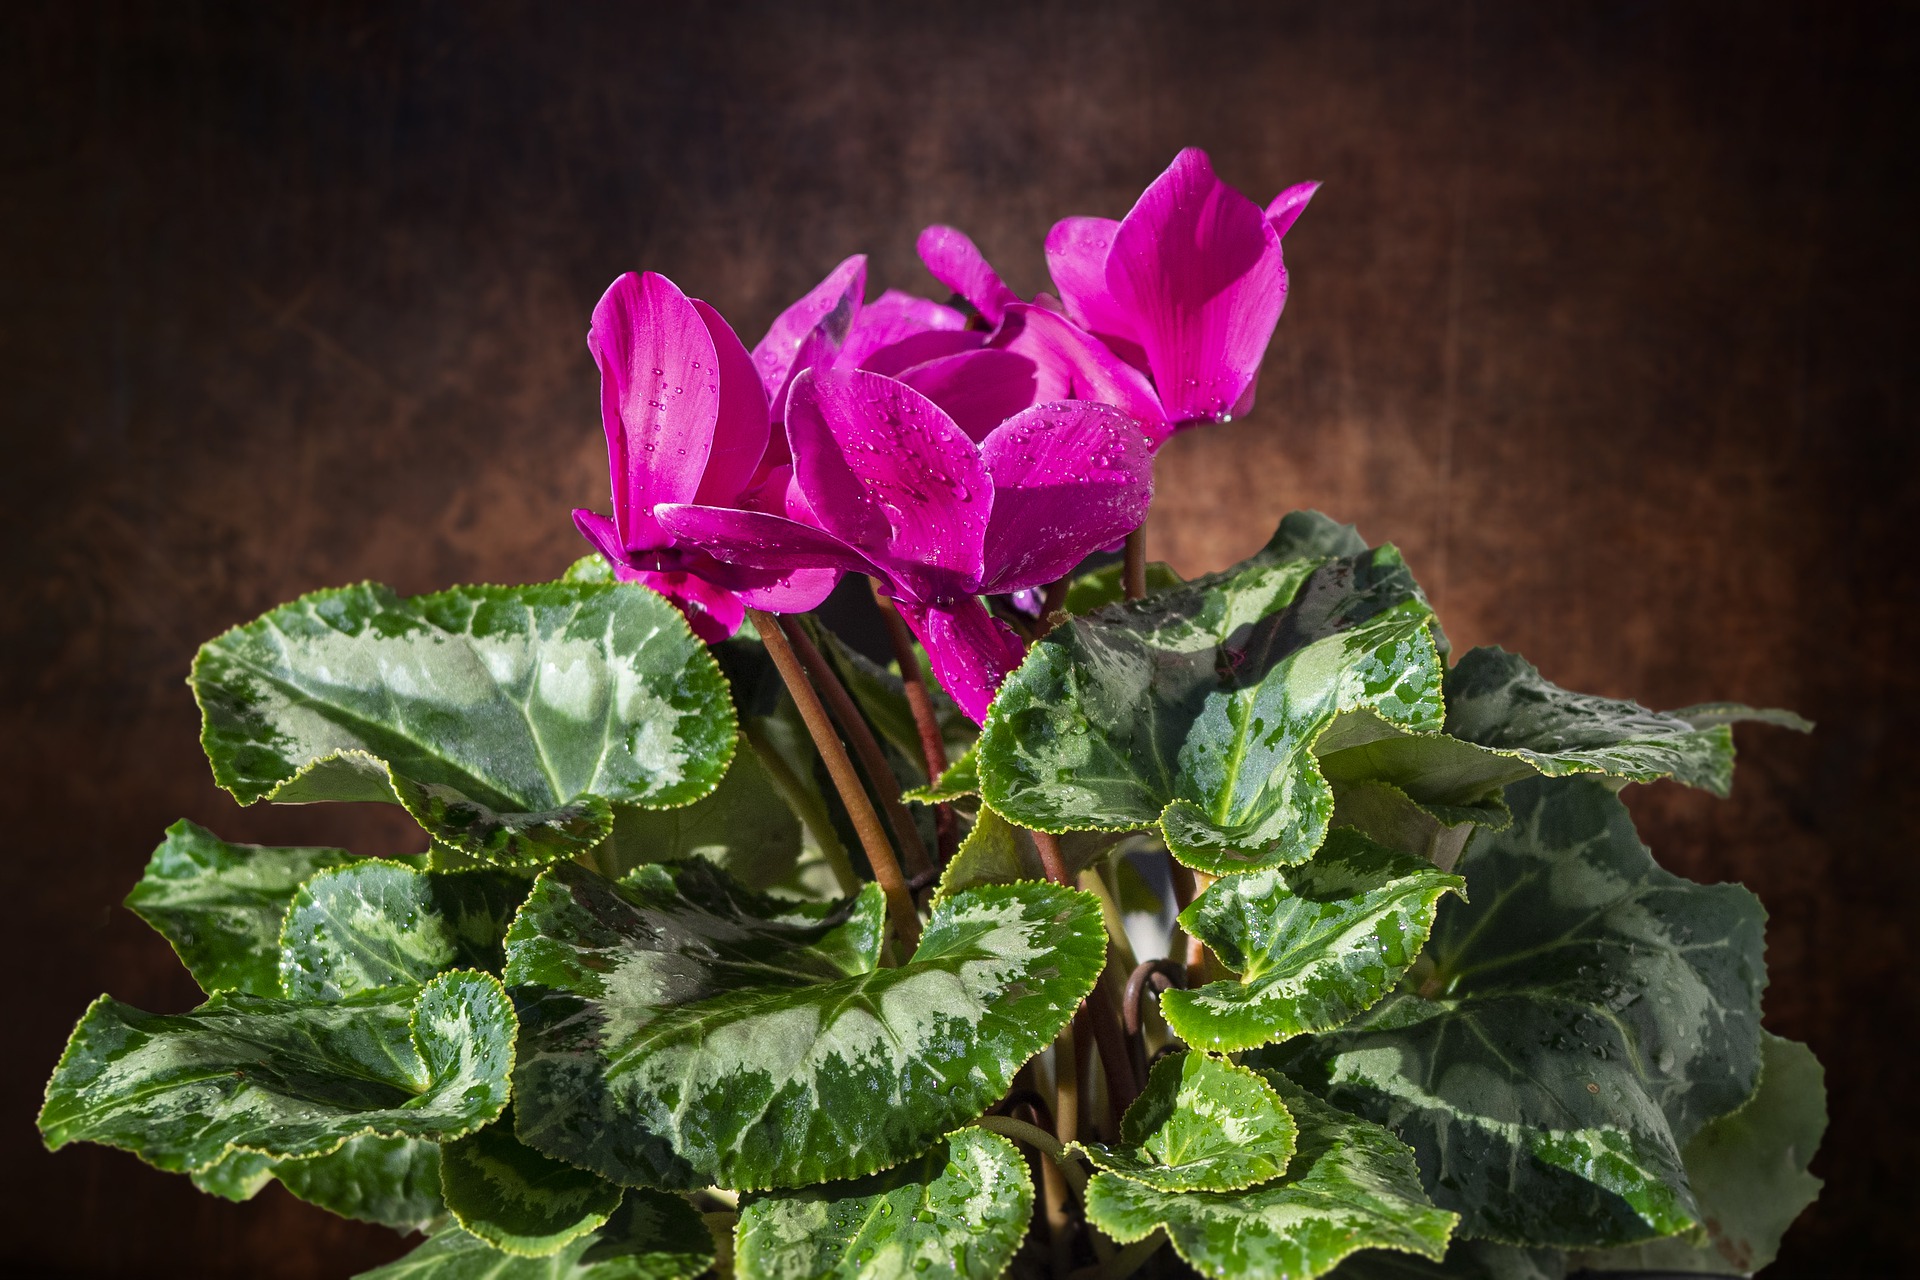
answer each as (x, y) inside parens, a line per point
(686, 421)
(895, 488)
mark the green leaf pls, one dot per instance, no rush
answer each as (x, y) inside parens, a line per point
(1201, 1124)
(650, 1237)
(1434, 833)
(962, 779)
(997, 852)
(1350, 1186)
(1749, 1170)
(679, 1032)
(956, 1212)
(1466, 1260)
(377, 925)
(220, 905)
(1103, 586)
(1498, 700)
(516, 1199)
(280, 1077)
(1200, 709)
(506, 720)
(589, 569)
(237, 1176)
(392, 1181)
(1313, 946)
(1582, 1017)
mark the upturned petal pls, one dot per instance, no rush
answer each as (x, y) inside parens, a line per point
(1289, 205)
(892, 318)
(958, 264)
(979, 390)
(970, 650)
(740, 431)
(883, 469)
(1075, 365)
(1077, 250)
(1068, 479)
(659, 398)
(831, 306)
(1198, 266)
(919, 348)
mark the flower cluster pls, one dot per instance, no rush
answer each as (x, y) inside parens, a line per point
(949, 455)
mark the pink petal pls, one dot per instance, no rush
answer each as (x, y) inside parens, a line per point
(1199, 268)
(1289, 205)
(1068, 479)
(894, 317)
(956, 263)
(713, 612)
(834, 302)
(971, 651)
(740, 433)
(1077, 250)
(922, 347)
(886, 471)
(979, 390)
(757, 540)
(796, 591)
(659, 398)
(602, 533)
(1077, 366)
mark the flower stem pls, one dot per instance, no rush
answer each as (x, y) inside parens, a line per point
(1066, 1127)
(872, 759)
(866, 823)
(933, 744)
(1133, 568)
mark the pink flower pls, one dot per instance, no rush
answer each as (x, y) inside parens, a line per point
(890, 485)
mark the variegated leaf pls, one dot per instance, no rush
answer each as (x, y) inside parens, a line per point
(506, 720)
(956, 1212)
(679, 1031)
(516, 1199)
(650, 1237)
(1350, 1186)
(997, 852)
(378, 925)
(221, 905)
(1567, 1030)
(1201, 709)
(392, 1181)
(1201, 1124)
(962, 779)
(281, 1077)
(238, 1175)
(1312, 946)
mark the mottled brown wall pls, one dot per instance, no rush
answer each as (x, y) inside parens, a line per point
(1603, 315)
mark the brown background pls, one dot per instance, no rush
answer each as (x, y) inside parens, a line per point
(1603, 315)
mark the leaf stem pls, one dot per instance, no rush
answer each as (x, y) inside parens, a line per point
(1055, 866)
(872, 760)
(886, 871)
(933, 744)
(1116, 1059)
(1066, 1127)
(1133, 565)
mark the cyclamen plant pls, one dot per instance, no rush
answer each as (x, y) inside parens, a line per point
(1234, 926)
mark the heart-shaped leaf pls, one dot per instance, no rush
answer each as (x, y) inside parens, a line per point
(1201, 1124)
(221, 905)
(679, 1031)
(1749, 1172)
(1350, 1186)
(1200, 709)
(506, 720)
(1313, 946)
(956, 1212)
(650, 1237)
(281, 1077)
(1575, 1023)
(516, 1199)
(377, 925)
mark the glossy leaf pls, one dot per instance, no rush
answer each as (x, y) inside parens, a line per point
(997, 852)
(237, 1176)
(1103, 586)
(956, 1212)
(1434, 833)
(650, 1237)
(962, 779)
(516, 1199)
(1574, 1024)
(1200, 709)
(1350, 1186)
(1749, 1170)
(1312, 946)
(679, 1031)
(506, 720)
(281, 1077)
(380, 925)
(1201, 1124)
(392, 1181)
(220, 905)
(1497, 699)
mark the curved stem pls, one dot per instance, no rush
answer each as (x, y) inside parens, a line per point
(1133, 567)
(886, 871)
(872, 759)
(933, 744)
(1043, 1142)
